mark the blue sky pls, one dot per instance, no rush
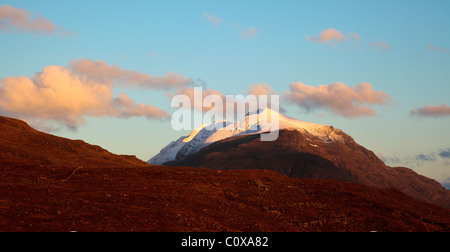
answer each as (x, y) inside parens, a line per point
(401, 49)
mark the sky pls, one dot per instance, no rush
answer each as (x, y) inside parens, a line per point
(105, 71)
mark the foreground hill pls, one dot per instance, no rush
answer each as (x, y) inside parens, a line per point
(49, 183)
(19, 143)
(166, 199)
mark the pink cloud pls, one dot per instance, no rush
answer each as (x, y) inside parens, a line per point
(62, 96)
(14, 19)
(333, 36)
(380, 45)
(103, 72)
(260, 89)
(432, 111)
(438, 49)
(250, 32)
(125, 107)
(213, 20)
(349, 102)
(228, 103)
(355, 36)
(197, 100)
(265, 90)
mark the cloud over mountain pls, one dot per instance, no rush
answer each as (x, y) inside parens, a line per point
(349, 102)
(426, 157)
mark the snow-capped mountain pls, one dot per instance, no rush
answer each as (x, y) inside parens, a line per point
(302, 150)
(254, 123)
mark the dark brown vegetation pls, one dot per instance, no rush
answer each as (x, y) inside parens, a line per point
(69, 185)
(191, 199)
(301, 155)
(21, 144)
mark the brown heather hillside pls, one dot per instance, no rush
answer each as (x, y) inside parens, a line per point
(163, 199)
(301, 155)
(19, 143)
(49, 183)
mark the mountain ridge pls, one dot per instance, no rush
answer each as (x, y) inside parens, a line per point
(259, 121)
(320, 152)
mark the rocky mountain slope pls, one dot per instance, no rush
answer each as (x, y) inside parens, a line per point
(256, 122)
(317, 152)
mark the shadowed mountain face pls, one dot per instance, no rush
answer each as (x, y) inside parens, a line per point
(299, 154)
(49, 183)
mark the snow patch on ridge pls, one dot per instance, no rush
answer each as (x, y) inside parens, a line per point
(253, 123)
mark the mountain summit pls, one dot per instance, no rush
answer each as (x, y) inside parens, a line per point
(302, 150)
(254, 123)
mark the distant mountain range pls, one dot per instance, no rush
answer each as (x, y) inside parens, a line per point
(303, 150)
